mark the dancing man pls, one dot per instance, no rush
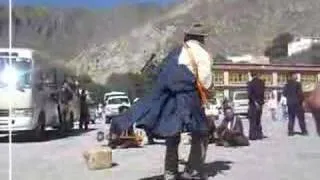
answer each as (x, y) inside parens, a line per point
(176, 105)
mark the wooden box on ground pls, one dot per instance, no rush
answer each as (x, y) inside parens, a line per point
(98, 158)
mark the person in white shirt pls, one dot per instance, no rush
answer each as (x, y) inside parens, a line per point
(273, 105)
(284, 108)
(99, 112)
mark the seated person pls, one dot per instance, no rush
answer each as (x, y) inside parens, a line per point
(230, 131)
(127, 138)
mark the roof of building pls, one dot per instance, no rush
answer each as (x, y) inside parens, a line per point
(310, 57)
(266, 67)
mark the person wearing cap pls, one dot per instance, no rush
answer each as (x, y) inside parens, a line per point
(294, 94)
(176, 105)
(256, 89)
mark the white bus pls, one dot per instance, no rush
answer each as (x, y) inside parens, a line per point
(34, 108)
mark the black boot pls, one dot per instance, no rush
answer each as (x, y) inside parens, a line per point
(290, 134)
(304, 133)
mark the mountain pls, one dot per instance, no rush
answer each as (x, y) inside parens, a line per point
(103, 42)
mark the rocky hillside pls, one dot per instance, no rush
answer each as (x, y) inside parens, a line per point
(63, 33)
(123, 39)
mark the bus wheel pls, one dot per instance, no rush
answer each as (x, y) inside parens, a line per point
(39, 131)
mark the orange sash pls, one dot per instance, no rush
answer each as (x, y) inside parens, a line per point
(203, 92)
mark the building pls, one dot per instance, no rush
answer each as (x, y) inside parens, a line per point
(229, 77)
(248, 58)
(300, 44)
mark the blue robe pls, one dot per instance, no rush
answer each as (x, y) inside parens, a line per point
(172, 107)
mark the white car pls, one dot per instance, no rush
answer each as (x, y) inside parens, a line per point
(113, 104)
(240, 102)
(113, 93)
(212, 109)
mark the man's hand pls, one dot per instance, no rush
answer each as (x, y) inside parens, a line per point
(258, 106)
(227, 133)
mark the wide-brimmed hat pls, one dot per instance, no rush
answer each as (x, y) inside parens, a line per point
(197, 29)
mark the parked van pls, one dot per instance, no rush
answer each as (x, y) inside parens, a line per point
(213, 108)
(113, 93)
(240, 102)
(113, 104)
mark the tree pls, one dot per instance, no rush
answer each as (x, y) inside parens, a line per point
(220, 58)
(97, 91)
(279, 46)
(84, 79)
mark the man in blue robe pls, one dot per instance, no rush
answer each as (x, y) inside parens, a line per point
(176, 105)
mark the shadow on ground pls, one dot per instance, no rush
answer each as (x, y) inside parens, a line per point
(156, 143)
(212, 169)
(51, 135)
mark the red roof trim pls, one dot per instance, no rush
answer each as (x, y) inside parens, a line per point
(266, 67)
(256, 64)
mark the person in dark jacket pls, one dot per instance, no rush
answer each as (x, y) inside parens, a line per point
(230, 131)
(176, 105)
(256, 89)
(84, 111)
(293, 92)
(66, 96)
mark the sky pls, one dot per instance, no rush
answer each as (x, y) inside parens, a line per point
(80, 3)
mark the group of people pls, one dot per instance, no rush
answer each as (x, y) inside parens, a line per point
(176, 105)
(291, 104)
(69, 90)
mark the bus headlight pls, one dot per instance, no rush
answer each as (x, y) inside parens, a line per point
(22, 112)
(9, 76)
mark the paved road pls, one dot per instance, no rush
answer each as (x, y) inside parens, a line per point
(278, 158)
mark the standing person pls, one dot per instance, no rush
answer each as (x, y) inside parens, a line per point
(99, 112)
(176, 105)
(65, 96)
(84, 112)
(284, 108)
(293, 92)
(273, 105)
(256, 88)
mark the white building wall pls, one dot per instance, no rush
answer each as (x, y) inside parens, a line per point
(301, 44)
(226, 91)
(242, 58)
